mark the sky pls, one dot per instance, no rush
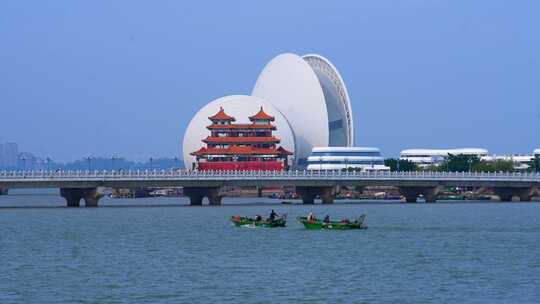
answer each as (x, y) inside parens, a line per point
(124, 77)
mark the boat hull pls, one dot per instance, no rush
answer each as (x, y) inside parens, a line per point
(318, 225)
(249, 222)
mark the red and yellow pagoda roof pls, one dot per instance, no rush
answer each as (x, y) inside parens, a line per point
(261, 115)
(236, 150)
(221, 115)
(243, 127)
(241, 139)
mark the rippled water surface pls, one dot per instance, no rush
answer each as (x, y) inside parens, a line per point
(168, 253)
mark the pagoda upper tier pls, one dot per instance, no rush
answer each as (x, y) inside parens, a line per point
(261, 116)
(221, 116)
(242, 127)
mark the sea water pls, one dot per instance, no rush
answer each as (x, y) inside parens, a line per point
(163, 251)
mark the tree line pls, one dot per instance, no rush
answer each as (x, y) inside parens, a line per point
(462, 163)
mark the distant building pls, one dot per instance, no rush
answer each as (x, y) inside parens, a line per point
(27, 161)
(430, 157)
(241, 146)
(9, 154)
(338, 158)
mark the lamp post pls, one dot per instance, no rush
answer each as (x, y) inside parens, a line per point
(113, 158)
(176, 162)
(23, 159)
(151, 163)
(48, 161)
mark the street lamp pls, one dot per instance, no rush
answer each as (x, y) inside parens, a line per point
(23, 158)
(176, 162)
(113, 158)
(48, 161)
(151, 161)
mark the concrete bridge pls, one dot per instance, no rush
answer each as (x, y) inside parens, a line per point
(77, 185)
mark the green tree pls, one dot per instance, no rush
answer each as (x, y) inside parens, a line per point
(433, 168)
(494, 166)
(535, 164)
(459, 162)
(404, 165)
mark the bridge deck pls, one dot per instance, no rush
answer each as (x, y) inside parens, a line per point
(177, 178)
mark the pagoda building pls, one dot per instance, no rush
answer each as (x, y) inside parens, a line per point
(234, 146)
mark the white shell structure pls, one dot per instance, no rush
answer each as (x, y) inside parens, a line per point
(240, 107)
(537, 152)
(310, 92)
(338, 104)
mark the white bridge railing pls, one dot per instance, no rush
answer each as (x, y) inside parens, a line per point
(126, 175)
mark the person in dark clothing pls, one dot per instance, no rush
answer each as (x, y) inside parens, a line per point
(326, 219)
(258, 218)
(273, 215)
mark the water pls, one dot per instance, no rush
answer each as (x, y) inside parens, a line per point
(166, 253)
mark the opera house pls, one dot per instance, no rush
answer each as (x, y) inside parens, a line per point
(307, 100)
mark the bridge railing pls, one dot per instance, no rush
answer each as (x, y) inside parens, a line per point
(224, 175)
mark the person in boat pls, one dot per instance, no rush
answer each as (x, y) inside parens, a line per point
(258, 218)
(326, 219)
(310, 217)
(273, 215)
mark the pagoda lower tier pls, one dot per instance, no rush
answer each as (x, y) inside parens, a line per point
(241, 158)
(241, 166)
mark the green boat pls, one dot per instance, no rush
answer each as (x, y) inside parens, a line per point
(243, 221)
(316, 224)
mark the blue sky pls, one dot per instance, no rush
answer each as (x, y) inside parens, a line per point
(82, 78)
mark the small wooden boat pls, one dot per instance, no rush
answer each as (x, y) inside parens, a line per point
(314, 224)
(243, 221)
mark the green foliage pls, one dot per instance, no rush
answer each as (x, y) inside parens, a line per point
(351, 169)
(494, 166)
(459, 163)
(432, 168)
(535, 164)
(404, 165)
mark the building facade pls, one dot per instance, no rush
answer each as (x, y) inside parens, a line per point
(434, 157)
(240, 146)
(9, 155)
(340, 158)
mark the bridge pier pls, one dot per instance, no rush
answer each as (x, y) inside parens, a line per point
(197, 194)
(411, 193)
(4, 191)
(327, 195)
(308, 194)
(506, 194)
(73, 196)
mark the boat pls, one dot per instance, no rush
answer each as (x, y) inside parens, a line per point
(244, 221)
(315, 224)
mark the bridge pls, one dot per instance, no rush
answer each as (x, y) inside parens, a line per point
(77, 185)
